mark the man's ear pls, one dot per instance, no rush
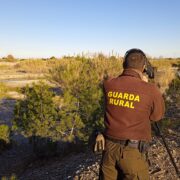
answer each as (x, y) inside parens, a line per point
(143, 68)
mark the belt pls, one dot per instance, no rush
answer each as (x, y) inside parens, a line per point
(129, 142)
(123, 142)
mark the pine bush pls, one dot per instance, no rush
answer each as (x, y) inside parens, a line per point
(35, 116)
(81, 101)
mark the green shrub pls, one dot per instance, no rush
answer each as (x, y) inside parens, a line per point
(36, 115)
(81, 101)
(4, 136)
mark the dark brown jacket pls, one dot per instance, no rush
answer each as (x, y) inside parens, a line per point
(130, 106)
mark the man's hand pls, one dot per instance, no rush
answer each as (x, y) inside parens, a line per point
(100, 143)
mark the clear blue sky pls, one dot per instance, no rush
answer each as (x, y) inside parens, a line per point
(44, 28)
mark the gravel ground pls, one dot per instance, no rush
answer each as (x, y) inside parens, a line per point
(85, 166)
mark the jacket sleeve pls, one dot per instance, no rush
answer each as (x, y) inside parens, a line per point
(158, 106)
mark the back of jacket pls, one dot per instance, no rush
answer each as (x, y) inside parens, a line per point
(130, 106)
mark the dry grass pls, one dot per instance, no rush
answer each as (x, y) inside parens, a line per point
(164, 63)
(4, 67)
(103, 65)
(111, 67)
(3, 90)
(165, 72)
(164, 78)
(32, 66)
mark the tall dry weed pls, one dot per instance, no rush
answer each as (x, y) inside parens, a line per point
(35, 66)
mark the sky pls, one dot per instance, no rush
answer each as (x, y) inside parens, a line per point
(45, 28)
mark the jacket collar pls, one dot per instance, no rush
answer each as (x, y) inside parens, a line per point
(132, 72)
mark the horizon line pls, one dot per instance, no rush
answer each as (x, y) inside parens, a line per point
(86, 55)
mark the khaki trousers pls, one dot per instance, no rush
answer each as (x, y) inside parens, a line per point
(121, 162)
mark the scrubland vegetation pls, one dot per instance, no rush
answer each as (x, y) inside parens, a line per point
(70, 108)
